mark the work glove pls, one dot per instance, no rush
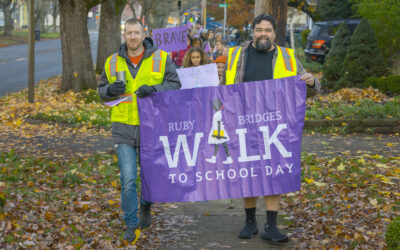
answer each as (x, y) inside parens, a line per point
(144, 91)
(116, 89)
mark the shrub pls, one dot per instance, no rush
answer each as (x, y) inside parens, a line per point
(304, 36)
(384, 84)
(363, 59)
(393, 234)
(334, 59)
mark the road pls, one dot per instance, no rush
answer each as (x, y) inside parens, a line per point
(48, 63)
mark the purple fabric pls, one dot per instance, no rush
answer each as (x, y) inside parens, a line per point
(260, 122)
(207, 48)
(171, 39)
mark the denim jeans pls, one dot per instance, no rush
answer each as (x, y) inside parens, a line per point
(127, 162)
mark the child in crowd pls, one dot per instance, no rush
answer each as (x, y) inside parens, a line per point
(195, 56)
(220, 61)
(197, 42)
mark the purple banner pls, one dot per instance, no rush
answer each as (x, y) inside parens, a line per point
(234, 141)
(171, 39)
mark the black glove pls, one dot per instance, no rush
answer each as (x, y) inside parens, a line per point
(144, 91)
(116, 89)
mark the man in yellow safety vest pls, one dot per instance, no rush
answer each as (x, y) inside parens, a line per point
(263, 59)
(146, 69)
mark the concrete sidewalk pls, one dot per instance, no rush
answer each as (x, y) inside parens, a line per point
(216, 222)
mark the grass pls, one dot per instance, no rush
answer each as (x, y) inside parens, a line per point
(21, 36)
(359, 110)
(311, 66)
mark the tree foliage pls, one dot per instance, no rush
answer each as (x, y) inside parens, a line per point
(334, 60)
(384, 18)
(334, 9)
(363, 59)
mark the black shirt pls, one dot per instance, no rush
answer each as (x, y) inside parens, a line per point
(259, 65)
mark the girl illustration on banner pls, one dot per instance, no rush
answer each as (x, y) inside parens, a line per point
(218, 135)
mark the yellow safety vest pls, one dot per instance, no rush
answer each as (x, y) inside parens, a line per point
(285, 65)
(151, 72)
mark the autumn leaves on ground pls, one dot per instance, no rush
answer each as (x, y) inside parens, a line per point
(51, 197)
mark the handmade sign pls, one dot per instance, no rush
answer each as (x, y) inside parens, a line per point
(241, 140)
(200, 76)
(171, 39)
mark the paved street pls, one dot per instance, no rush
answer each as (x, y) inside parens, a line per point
(14, 63)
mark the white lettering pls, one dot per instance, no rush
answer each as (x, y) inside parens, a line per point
(241, 120)
(279, 170)
(220, 174)
(184, 179)
(273, 140)
(181, 141)
(231, 171)
(252, 172)
(170, 127)
(208, 179)
(242, 145)
(245, 170)
(198, 177)
(172, 177)
(268, 170)
(289, 167)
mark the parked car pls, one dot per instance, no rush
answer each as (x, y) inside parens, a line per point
(319, 39)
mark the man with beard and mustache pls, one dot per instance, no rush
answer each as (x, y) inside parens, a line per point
(263, 59)
(147, 69)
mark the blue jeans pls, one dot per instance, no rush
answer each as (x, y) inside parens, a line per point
(127, 162)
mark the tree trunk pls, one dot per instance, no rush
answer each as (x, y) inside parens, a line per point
(78, 71)
(8, 22)
(277, 9)
(55, 11)
(109, 33)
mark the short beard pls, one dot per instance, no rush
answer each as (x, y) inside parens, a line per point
(263, 45)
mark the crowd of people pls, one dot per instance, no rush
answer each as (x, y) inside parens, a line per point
(203, 47)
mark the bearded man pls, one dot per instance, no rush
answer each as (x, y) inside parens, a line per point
(256, 60)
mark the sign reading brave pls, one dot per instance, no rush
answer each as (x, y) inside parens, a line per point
(241, 140)
(171, 39)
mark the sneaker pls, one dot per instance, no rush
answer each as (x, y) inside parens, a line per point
(145, 216)
(132, 234)
(249, 230)
(272, 234)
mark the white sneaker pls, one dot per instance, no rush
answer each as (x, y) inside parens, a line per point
(213, 159)
(228, 160)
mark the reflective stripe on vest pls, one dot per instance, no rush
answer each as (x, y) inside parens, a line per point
(234, 53)
(287, 59)
(157, 61)
(113, 64)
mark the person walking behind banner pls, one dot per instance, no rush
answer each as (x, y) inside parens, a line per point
(147, 69)
(195, 56)
(177, 56)
(220, 61)
(263, 59)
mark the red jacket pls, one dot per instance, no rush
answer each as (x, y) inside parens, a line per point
(177, 56)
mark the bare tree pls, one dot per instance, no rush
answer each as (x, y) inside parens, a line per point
(8, 7)
(277, 9)
(42, 8)
(110, 31)
(78, 70)
(55, 11)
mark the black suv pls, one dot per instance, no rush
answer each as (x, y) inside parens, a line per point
(319, 39)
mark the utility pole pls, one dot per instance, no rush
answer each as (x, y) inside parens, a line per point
(225, 6)
(204, 12)
(31, 53)
(179, 12)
